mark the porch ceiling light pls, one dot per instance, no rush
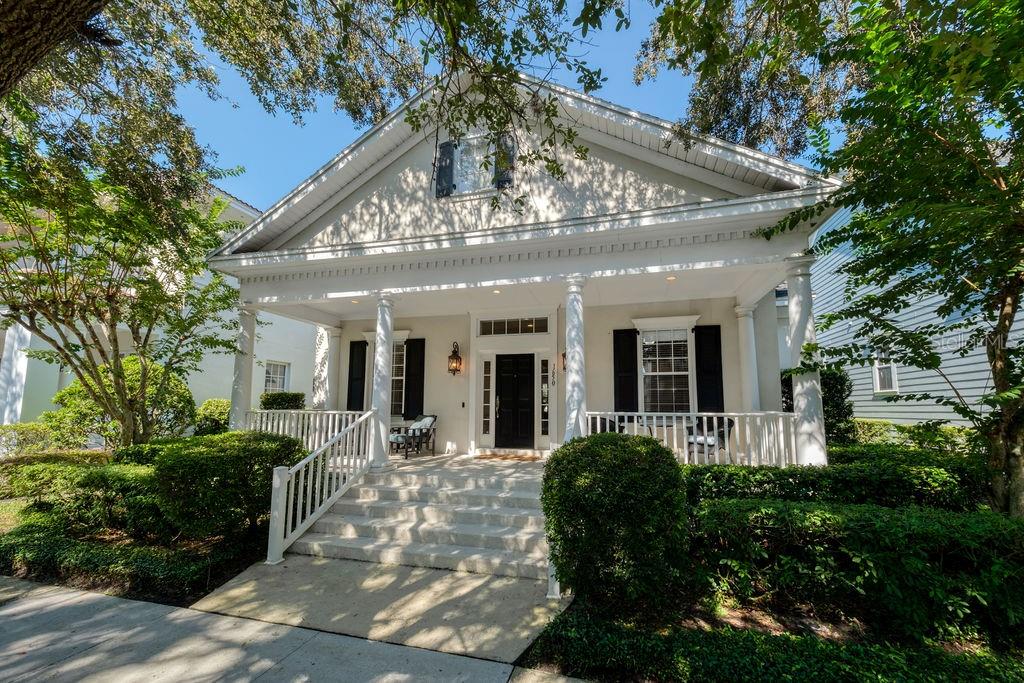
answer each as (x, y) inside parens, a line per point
(455, 360)
(496, 291)
(671, 278)
(355, 301)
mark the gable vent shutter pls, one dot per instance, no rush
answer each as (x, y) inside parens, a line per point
(708, 355)
(625, 370)
(505, 162)
(414, 365)
(356, 375)
(445, 184)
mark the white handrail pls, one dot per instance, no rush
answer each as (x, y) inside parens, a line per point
(312, 427)
(754, 438)
(305, 491)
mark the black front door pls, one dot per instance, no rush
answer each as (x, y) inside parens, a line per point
(514, 391)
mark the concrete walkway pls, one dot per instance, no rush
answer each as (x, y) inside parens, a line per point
(54, 633)
(480, 615)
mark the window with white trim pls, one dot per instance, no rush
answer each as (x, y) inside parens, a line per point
(665, 370)
(398, 379)
(276, 378)
(485, 424)
(470, 174)
(545, 396)
(886, 381)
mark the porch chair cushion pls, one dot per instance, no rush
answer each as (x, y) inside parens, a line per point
(423, 422)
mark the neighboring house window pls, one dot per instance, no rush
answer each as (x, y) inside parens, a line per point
(398, 379)
(885, 374)
(276, 379)
(665, 371)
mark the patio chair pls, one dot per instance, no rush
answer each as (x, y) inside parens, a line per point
(416, 437)
(703, 438)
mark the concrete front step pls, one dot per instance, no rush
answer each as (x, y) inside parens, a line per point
(511, 482)
(473, 497)
(514, 539)
(454, 557)
(523, 518)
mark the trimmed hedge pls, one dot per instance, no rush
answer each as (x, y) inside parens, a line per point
(615, 517)
(41, 548)
(141, 453)
(910, 572)
(212, 417)
(220, 484)
(23, 438)
(927, 435)
(90, 497)
(586, 646)
(283, 400)
(882, 482)
(9, 467)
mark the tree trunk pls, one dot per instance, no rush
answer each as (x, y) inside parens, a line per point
(29, 29)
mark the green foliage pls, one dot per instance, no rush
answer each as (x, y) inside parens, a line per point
(89, 497)
(141, 453)
(924, 435)
(585, 645)
(9, 467)
(169, 409)
(282, 400)
(886, 482)
(220, 484)
(212, 416)
(43, 548)
(836, 389)
(910, 572)
(22, 438)
(614, 516)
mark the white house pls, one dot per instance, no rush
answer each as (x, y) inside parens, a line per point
(282, 352)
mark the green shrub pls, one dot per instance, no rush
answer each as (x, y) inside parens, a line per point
(585, 645)
(836, 389)
(932, 435)
(23, 438)
(892, 484)
(909, 572)
(141, 453)
(614, 518)
(41, 547)
(90, 497)
(220, 484)
(283, 400)
(212, 416)
(10, 466)
(78, 416)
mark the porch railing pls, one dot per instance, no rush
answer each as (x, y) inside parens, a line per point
(303, 492)
(756, 439)
(312, 427)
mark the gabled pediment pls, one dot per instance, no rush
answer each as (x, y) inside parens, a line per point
(380, 188)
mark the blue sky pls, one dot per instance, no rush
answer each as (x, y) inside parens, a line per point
(278, 154)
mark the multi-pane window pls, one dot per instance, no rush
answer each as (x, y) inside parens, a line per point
(545, 383)
(665, 368)
(470, 173)
(485, 425)
(513, 326)
(885, 374)
(276, 378)
(398, 379)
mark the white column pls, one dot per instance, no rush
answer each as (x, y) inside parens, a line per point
(14, 342)
(575, 367)
(326, 367)
(241, 388)
(381, 396)
(810, 420)
(749, 389)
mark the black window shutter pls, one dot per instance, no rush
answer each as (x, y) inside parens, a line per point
(708, 353)
(445, 184)
(356, 375)
(625, 370)
(414, 366)
(505, 162)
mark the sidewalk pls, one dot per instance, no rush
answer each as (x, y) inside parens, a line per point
(55, 633)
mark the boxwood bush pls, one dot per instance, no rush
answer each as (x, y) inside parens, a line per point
(9, 467)
(212, 416)
(283, 400)
(882, 482)
(615, 515)
(220, 484)
(141, 453)
(910, 572)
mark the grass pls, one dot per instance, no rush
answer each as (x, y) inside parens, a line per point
(579, 643)
(36, 545)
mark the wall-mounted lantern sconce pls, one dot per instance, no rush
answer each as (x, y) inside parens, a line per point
(455, 360)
